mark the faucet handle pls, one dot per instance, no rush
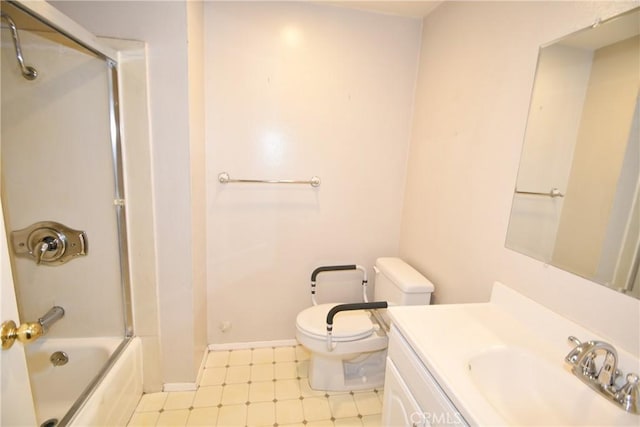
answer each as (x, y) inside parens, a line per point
(574, 340)
(628, 395)
(588, 366)
(575, 353)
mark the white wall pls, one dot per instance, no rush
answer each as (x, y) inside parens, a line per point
(295, 90)
(163, 26)
(476, 74)
(136, 153)
(195, 34)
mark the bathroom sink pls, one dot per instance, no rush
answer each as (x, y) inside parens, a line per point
(527, 389)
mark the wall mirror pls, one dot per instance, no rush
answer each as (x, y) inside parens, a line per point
(576, 199)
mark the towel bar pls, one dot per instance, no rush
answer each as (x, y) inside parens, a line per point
(224, 178)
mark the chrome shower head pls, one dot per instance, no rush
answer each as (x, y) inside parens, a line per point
(28, 72)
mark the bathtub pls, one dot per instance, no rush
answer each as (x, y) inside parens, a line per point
(107, 400)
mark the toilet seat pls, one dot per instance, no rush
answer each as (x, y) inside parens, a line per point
(347, 325)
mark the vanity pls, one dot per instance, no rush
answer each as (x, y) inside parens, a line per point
(495, 363)
(576, 206)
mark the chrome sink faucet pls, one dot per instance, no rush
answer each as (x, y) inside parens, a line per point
(602, 378)
(583, 356)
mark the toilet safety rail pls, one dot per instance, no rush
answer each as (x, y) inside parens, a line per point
(348, 307)
(322, 269)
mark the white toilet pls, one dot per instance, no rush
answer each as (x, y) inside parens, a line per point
(353, 357)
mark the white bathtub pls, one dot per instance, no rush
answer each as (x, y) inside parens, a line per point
(56, 388)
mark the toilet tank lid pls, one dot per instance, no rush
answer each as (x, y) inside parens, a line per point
(405, 277)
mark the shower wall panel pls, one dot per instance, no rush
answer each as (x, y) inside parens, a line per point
(57, 166)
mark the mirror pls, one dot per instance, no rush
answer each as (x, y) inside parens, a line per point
(576, 199)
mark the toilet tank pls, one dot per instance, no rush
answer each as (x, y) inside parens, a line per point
(400, 284)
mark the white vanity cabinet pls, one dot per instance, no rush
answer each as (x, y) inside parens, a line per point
(400, 408)
(412, 397)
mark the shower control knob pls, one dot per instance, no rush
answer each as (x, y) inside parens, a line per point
(49, 242)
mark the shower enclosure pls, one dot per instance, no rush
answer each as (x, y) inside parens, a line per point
(63, 209)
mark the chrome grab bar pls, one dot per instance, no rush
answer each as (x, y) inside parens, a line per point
(553, 193)
(224, 178)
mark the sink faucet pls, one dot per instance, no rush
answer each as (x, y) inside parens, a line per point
(583, 356)
(583, 360)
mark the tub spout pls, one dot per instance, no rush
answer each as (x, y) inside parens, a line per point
(56, 313)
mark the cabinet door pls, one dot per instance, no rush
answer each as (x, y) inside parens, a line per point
(399, 407)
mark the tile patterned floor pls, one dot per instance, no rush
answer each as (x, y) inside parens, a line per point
(258, 387)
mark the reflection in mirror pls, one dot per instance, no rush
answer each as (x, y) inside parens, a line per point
(576, 201)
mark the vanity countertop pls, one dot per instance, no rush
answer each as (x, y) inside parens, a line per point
(519, 340)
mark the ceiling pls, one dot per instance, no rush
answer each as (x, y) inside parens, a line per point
(416, 9)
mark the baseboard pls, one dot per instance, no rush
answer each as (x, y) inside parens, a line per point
(253, 344)
(203, 364)
(180, 387)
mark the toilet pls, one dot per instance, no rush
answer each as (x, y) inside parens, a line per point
(353, 356)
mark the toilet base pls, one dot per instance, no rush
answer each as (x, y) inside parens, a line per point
(363, 371)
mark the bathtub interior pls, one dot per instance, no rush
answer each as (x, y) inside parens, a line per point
(56, 388)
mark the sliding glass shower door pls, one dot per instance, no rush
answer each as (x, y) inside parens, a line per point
(63, 206)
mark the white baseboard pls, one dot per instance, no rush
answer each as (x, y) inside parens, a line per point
(253, 344)
(180, 387)
(203, 364)
(189, 386)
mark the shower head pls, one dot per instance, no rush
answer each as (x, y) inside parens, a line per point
(28, 72)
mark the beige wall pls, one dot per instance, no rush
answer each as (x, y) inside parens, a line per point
(598, 158)
(476, 74)
(295, 90)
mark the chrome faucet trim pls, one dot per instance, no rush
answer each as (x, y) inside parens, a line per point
(583, 356)
(50, 317)
(583, 360)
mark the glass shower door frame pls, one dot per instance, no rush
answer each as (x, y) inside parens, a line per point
(50, 16)
(56, 20)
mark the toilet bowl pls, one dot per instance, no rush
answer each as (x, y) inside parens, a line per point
(350, 352)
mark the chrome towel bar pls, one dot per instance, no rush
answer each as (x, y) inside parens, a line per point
(554, 192)
(224, 178)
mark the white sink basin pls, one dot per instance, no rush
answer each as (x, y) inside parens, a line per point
(527, 389)
(502, 363)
